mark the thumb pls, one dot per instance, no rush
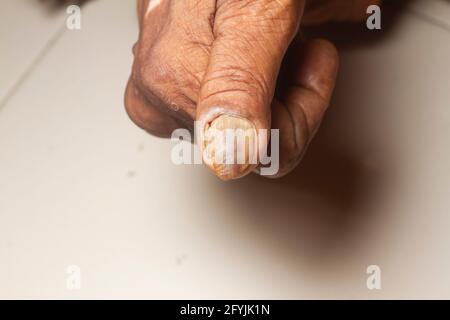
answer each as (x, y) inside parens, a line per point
(250, 40)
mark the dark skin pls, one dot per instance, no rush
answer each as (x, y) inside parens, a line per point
(203, 60)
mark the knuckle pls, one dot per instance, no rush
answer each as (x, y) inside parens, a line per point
(153, 71)
(164, 79)
(158, 79)
(145, 115)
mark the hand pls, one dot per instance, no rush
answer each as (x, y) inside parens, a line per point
(230, 64)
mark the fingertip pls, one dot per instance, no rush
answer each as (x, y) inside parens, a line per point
(228, 145)
(319, 67)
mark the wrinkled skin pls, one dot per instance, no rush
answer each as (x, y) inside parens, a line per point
(197, 60)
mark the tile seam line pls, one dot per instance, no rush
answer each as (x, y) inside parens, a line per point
(35, 62)
(437, 22)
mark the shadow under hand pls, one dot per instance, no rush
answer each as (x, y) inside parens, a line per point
(319, 215)
(53, 5)
(314, 213)
(353, 35)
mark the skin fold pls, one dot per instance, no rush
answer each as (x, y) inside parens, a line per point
(233, 64)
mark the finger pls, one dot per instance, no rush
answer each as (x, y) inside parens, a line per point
(251, 39)
(310, 83)
(172, 54)
(146, 116)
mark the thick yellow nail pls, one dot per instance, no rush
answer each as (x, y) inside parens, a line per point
(230, 147)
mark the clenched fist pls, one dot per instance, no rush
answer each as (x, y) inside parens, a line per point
(227, 65)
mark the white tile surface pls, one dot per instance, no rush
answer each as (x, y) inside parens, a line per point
(434, 11)
(26, 29)
(79, 184)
